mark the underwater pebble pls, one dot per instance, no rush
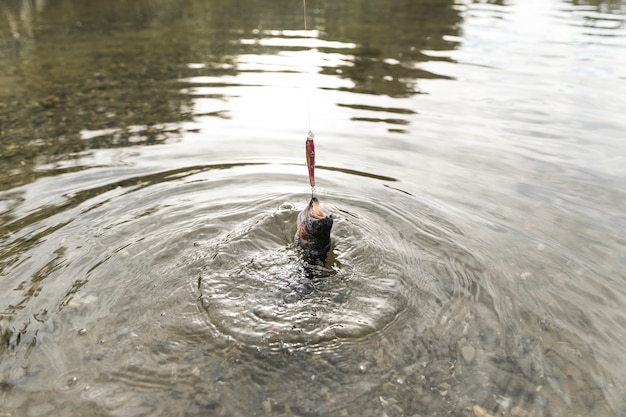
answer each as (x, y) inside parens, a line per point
(388, 386)
(468, 352)
(79, 301)
(525, 275)
(418, 389)
(82, 332)
(71, 381)
(480, 412)
(504, 402)
(518, 412)
(412, 369)
(443, 388)
(267, 406)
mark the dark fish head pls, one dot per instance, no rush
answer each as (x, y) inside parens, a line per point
(313, 234)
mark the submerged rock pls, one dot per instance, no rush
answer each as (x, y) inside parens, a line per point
(469, 353)
(480, 412)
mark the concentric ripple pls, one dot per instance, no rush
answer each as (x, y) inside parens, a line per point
(255, 288)
(173, 285)
(207, 289)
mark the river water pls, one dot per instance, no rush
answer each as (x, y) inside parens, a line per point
(472, 154)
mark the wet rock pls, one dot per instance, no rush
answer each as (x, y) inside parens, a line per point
(469, 353)
(480, 412)
(518, 412)
(423, 400)
(465, 328)
(504, 402)
(78, 301)
(267, 406)
(418, 389)
(204, 403)
(388, 387)
(412, 369)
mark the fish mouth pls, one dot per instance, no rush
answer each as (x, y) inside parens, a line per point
(314, 209)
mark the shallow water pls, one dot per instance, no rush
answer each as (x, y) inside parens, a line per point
(152, 170)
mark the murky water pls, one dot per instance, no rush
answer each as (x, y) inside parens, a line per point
(152, 170)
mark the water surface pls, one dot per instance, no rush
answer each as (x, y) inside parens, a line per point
(152, 171)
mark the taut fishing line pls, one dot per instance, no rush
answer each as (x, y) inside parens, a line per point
(308, 65)
(310, 144)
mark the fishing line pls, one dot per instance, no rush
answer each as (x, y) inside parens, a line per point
(310, 144)
(308, 67)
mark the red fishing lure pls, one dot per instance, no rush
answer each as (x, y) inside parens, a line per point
(310, 157)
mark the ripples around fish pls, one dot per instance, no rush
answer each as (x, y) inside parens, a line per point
(180, 293)
(190, 277)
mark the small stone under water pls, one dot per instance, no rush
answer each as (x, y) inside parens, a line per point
(363, 367)
(480, 412)
(468, 352)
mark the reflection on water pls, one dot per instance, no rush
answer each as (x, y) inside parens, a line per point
(57, 85)
(470, 152)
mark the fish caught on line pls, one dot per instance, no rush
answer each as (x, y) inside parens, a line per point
(313, 233)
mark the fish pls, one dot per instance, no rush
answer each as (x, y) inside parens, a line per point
(313, 233)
